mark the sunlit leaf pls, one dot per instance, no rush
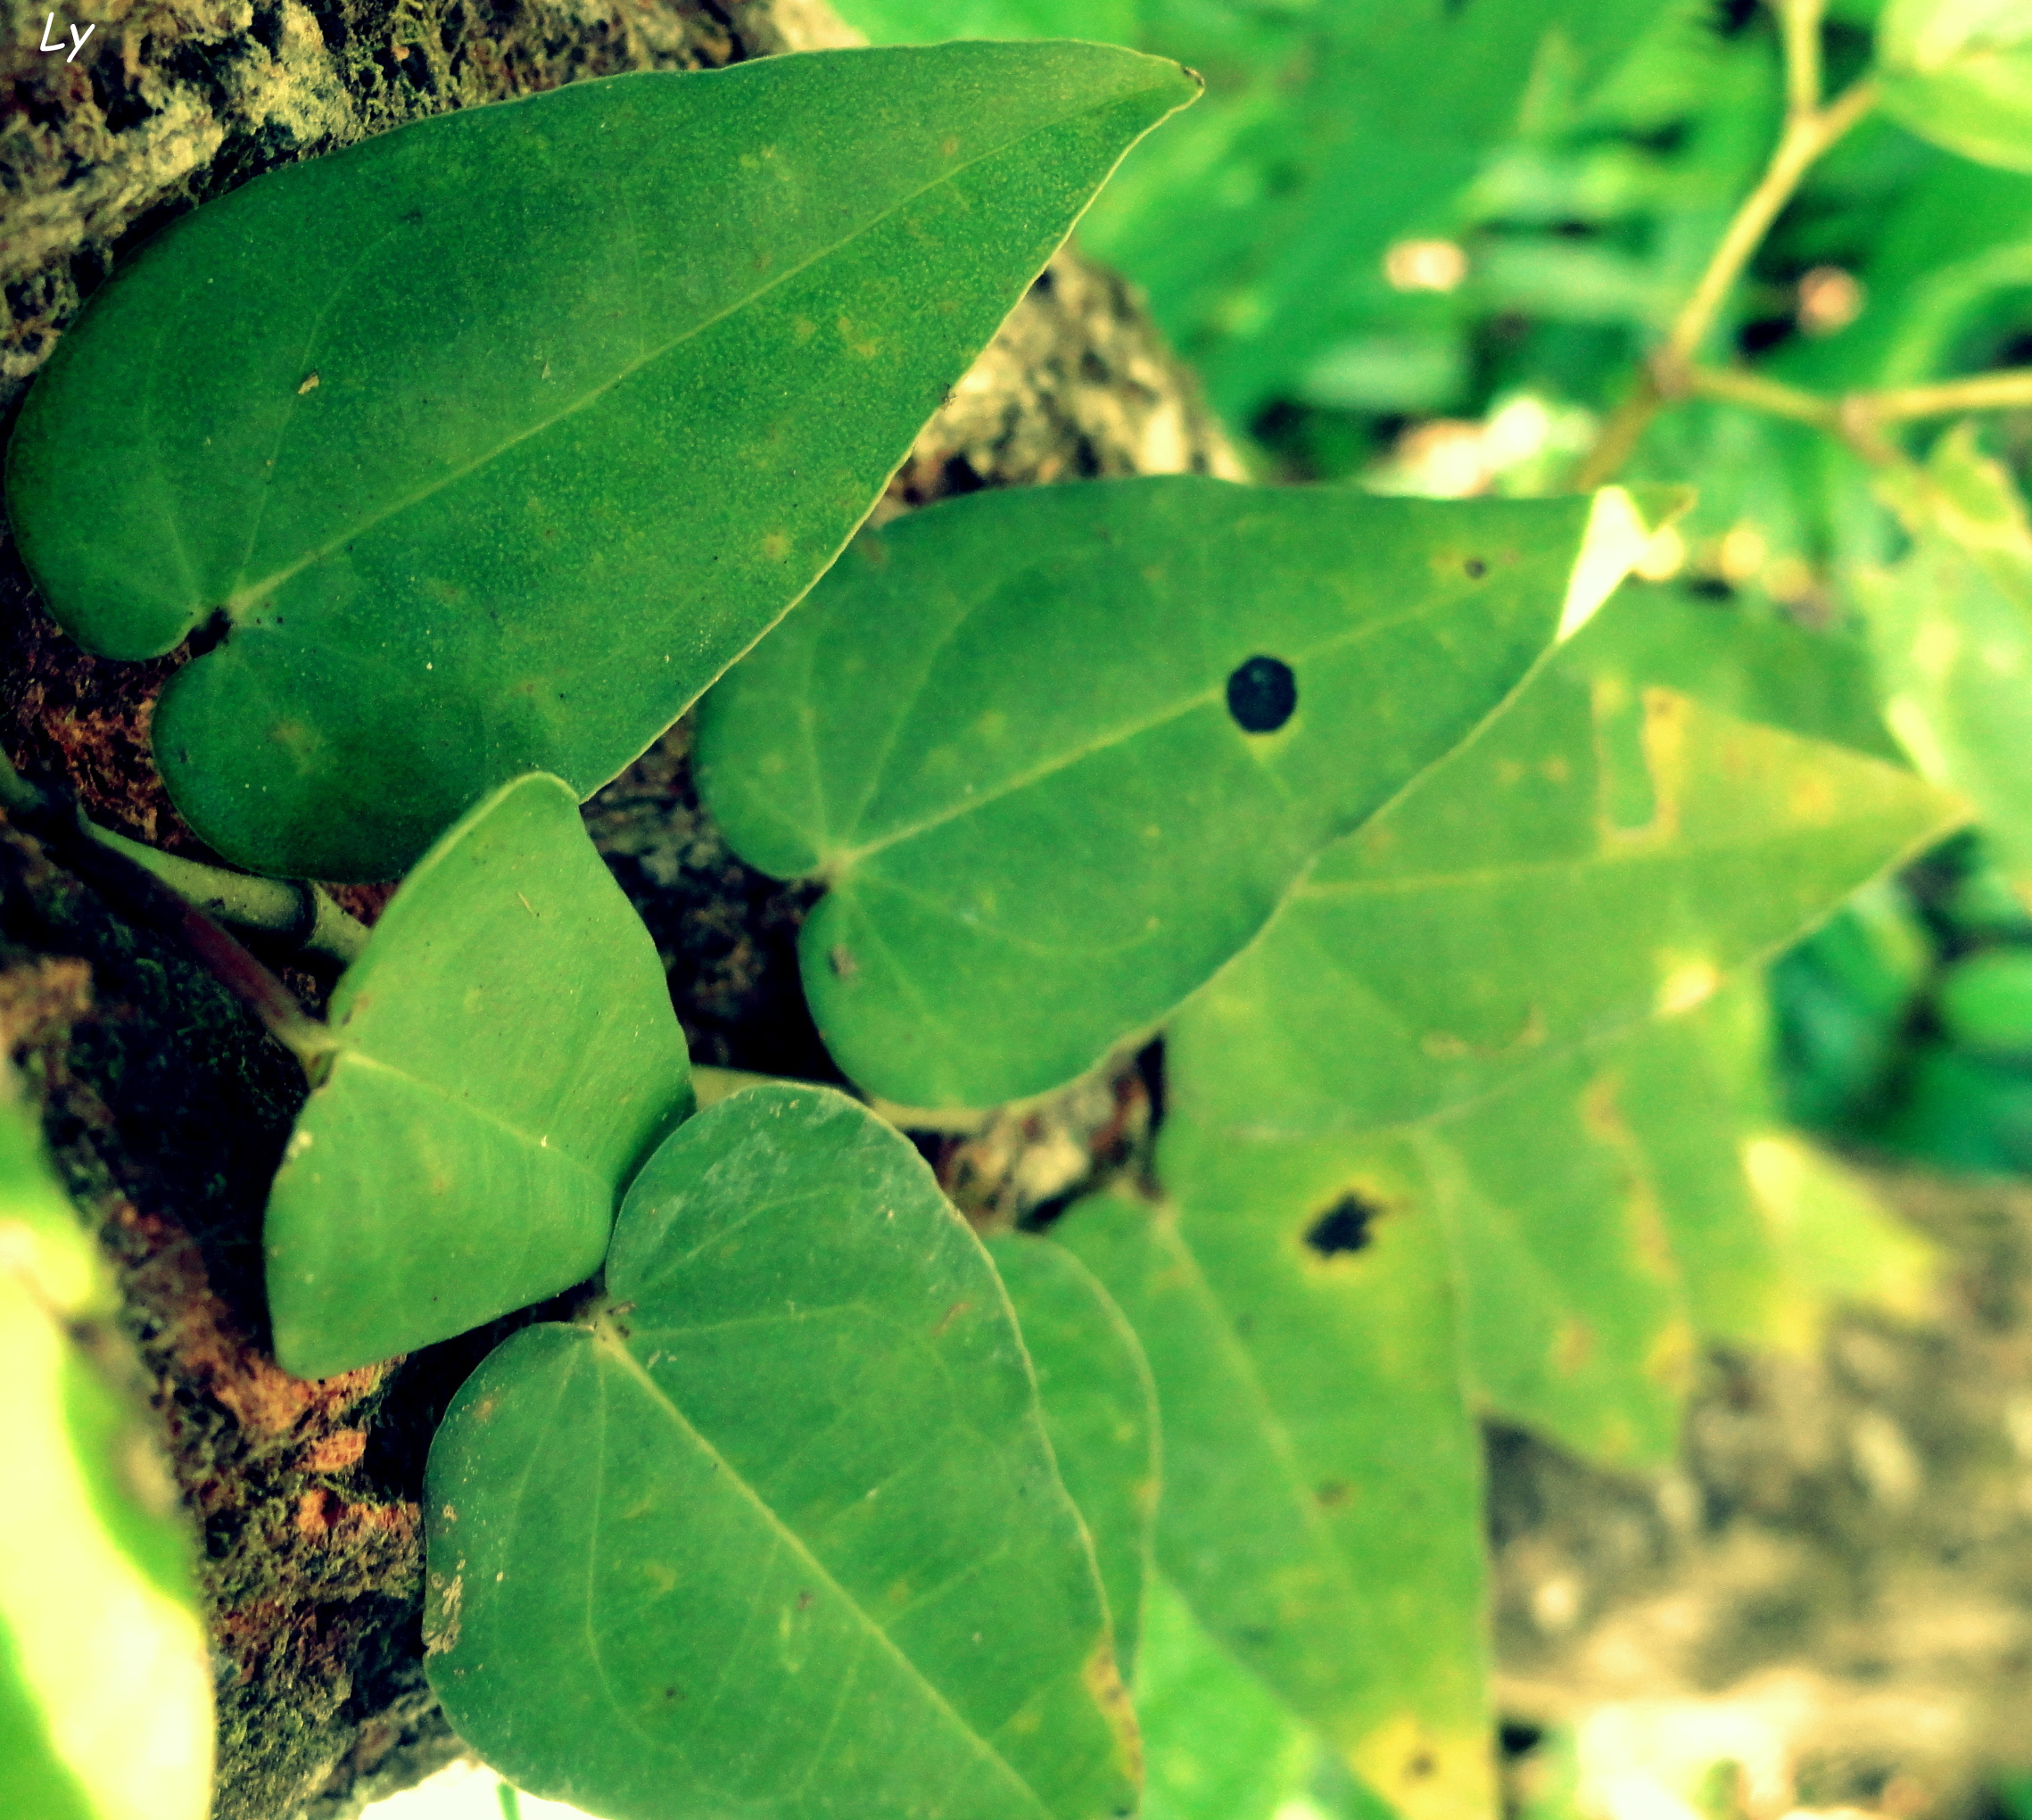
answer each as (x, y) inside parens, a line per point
(105, 1678)
(1602, 852)
(490, 442)
(1059, 752)
(778, 1530)
(506, 1054)
(1100, 1411)
(1959, 72)
(1474, 1126)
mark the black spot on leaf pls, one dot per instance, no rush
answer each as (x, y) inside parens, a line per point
(1344, 1227)
(1476, 568)
(1261, 695)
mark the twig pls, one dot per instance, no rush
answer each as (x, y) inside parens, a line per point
(2001, 390)
(1858, 418)
(1799, 21)
(1732, 385)
(1810, 131)
(1806, 136)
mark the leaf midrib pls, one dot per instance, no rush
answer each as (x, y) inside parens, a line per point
(1341, 891)
(247, 595)
(617, 1352)
(839, 864)
(1274, 1428)
(480, 1114)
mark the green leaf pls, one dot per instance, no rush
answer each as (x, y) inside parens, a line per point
(1959, 72)
(105, 1678)
(505, 1056)
(1100, 1412)
(1951, 627)
(1758, 665)
(778, 1531)
(1012, 733)
(1322, 1498)
(492, 441)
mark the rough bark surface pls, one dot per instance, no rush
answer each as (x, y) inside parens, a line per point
(1844, 1564)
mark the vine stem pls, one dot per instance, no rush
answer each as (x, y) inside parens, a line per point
(283, 906)
(1858, 417)
(1811, 129)
(105, 863)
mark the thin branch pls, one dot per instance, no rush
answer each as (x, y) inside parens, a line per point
(1619, 436)
(1731, 385)
(1799, 21)
(1859, 417)
(1807, 136)
(2007, 389)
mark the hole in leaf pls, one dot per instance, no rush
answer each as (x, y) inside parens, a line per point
(1261, 695)
(1344, 1227)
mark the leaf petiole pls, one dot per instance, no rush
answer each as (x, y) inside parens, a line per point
(290, 908)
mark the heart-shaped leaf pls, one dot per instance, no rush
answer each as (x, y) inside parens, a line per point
(1100, 1412)
(1434, 1001)
(1058, 753)
(780, 1531)
(492, 441)
(505, 1056)
(105, 1680)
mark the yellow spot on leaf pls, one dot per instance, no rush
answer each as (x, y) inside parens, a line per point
(1686, 984)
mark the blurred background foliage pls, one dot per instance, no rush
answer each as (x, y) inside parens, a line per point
(1423, 248)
